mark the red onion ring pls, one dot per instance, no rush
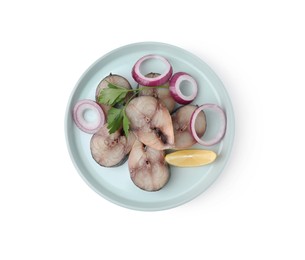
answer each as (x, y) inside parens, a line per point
(157, 81)
(78, 116)
(175, 84)
(222, 129)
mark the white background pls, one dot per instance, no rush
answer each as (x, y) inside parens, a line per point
(255, 210)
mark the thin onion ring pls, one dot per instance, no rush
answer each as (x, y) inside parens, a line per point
(176, 92)
(78, 116)
(150, 82)
(223, 124)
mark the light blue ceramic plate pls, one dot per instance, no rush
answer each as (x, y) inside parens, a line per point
(115, 184)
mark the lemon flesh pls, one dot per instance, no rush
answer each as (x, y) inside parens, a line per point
(190, 158)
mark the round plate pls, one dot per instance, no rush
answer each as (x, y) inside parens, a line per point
(115, 184)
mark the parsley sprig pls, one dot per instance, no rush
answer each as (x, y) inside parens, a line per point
(115, 96)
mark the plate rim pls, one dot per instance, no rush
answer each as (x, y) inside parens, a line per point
(180, 202)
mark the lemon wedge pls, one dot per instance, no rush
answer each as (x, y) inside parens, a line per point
(190, 158)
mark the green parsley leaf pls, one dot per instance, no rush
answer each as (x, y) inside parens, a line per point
(126, 124)
(111, 96)
(111, 85)
(114, 119)
(120, 98)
